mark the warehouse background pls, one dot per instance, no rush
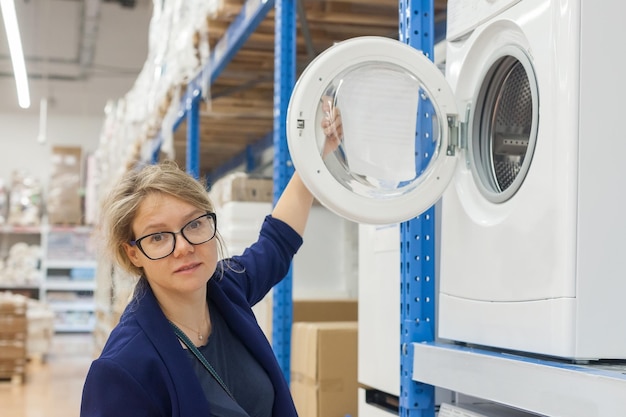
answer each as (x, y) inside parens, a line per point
(87, 59)
(79, 56)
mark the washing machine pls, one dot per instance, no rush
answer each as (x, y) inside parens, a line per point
(520, 143)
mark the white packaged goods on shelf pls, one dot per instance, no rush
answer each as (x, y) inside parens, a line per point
(79, 321)
(238, 223)
(71, 244)
(91, 183)
(232, 213)
(25, 200)
(4, 202)
(64, 197)
(178, 46)
(21, 266)
(40, 329)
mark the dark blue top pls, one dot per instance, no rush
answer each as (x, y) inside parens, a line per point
(244, 377)
(143, 370)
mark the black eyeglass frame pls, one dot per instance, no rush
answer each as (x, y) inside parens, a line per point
(137, 242)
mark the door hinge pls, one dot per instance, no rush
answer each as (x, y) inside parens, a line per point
(453, 128)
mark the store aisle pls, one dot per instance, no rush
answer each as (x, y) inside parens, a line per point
(52, 388)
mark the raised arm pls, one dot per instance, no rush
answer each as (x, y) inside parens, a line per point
(294, 205)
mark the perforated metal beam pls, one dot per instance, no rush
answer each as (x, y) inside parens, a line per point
(284, 80)
(417, 236)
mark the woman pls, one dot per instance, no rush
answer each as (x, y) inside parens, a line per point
(188, 343)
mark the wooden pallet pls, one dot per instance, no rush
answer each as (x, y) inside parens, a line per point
(12, 362)
(13, 333)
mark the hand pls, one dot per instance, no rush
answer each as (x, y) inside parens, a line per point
(332, 126)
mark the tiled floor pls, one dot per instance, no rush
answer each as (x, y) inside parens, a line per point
(52, 388)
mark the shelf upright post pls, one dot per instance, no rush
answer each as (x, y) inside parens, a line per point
(284, 80)
(417, 236)
(193, 133)
(156, 150)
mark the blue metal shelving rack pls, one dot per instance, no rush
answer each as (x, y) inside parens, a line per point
(417, 236)
(251, 15)
(416, 28)
(284, 80)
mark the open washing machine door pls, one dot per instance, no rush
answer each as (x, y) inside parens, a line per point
(388, 94)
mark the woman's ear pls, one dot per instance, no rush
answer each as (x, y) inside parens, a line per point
(133, 254)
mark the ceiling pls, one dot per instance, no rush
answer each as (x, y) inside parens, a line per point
(79, 54)
(78, 59)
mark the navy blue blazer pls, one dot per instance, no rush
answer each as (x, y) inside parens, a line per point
(143, 370)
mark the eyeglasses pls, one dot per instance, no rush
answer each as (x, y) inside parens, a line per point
(162, 244)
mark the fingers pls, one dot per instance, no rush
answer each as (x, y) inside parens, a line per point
(331, 125)
(332, 121)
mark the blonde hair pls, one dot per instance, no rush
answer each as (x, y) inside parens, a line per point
(119, 208)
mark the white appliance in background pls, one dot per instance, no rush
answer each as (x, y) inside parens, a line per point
(379, 313)
(480, 409)
(368, 410)
(325, 267)
(523, 148)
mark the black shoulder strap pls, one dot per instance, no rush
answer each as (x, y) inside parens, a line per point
(183, 337)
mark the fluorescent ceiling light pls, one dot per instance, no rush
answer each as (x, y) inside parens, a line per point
(17, 54)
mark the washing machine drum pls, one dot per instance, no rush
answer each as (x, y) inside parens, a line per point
(504, 127)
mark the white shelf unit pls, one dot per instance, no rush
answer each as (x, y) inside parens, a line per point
(543, 386)
(69, 267)
(27, 285)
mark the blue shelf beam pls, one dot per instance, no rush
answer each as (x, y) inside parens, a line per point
(249, 158)
(417, 236)
(284, 80)
(193, 135)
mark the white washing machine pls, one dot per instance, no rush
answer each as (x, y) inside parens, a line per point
(531, 225)
(521, 142)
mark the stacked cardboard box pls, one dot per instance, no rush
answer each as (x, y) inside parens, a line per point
(40, 330)
(240, 186)
(13, 333)
(64, 198)
(324, 357)
(324, 368)
(315, 310)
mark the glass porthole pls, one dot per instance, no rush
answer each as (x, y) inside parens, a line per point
(387, 121)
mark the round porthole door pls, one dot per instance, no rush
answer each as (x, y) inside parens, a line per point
(395, 151)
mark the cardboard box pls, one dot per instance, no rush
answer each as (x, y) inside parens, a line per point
(324, 368)
(64, 198)
(307, 310)
(240, 186)
(325, 310)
